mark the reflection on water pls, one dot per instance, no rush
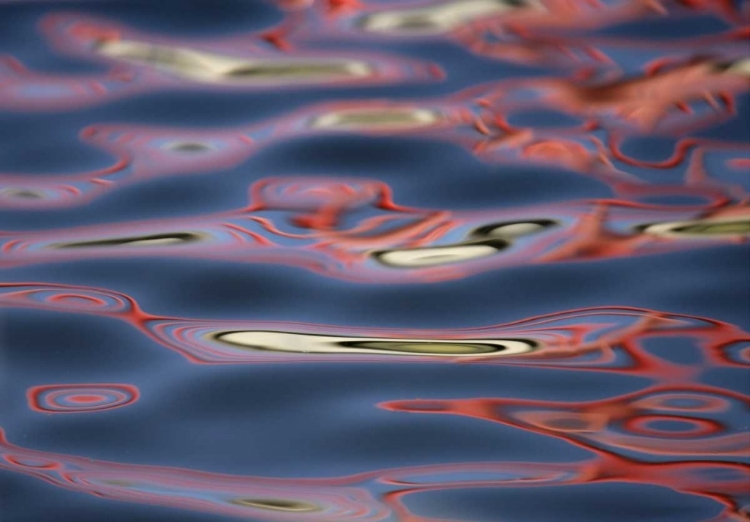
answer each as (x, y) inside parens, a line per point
(205, 67)
(308, 222)
(645, 100)
(78, 398)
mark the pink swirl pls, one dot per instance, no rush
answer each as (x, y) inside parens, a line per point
(81, 398)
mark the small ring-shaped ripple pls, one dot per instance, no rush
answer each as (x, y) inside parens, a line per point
(81, 398)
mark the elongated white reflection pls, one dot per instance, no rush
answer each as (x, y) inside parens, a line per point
(384, 118)
(207, 67)
(177, 238)
(702, 228)
(739, 67)
(440, 18)
(514, 229)
(322, 344)
(439, 255)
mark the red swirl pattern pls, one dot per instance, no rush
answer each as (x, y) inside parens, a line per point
(81, 398)
(682, 426)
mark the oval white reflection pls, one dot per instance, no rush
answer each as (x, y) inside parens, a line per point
(436, 256)
(321, 344)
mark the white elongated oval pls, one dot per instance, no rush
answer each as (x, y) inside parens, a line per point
(440, 18)
(513, 229)
(209, 67)
(702, 228)
(438, 255)
(321, 344)
(166, 239)
(382, 118)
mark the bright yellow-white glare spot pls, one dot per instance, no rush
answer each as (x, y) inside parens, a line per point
(207, 67)
(321, 344)
(434, 256)
(440, 18)
(702, 228)
(396, 118)
(740, 67)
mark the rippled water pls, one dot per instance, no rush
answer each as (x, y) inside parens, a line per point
(338, 260)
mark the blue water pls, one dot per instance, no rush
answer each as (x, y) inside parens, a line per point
(301, 417)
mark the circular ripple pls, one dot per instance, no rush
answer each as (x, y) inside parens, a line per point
(672, 426)
(68, 298)
(81, 398)
(684, 402)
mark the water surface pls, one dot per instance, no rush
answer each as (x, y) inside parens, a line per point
(383, 260)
